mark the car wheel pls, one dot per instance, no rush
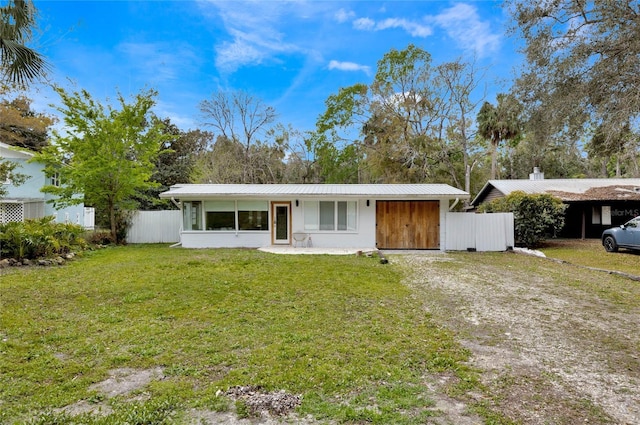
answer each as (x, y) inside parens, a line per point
(610, 244)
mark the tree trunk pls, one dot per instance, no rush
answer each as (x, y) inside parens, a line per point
(494, 160)
(112, 222)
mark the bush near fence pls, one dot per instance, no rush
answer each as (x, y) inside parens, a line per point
(39, 238)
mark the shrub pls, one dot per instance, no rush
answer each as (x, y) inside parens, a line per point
(537, 217)
(100, 237)
(39, 238)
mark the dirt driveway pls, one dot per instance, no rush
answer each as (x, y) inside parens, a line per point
(557, 344)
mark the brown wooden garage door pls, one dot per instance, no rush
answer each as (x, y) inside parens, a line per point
(408, 224)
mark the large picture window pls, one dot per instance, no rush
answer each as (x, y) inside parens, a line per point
(227, 215)
(330, 215)
(253, 215)
(220, 215)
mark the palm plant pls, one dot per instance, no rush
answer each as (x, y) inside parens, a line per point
(498, 123)
(20, 64)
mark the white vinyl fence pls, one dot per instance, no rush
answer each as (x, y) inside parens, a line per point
(479, 232)
(155, 227)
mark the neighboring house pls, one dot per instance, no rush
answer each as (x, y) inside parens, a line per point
(593, 205)
(26, 201)
(384, 216)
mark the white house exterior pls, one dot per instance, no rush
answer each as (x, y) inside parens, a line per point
(384, 216)
(26, 201)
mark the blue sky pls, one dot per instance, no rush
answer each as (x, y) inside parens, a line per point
(290, 54)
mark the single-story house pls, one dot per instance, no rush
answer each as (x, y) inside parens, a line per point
(593, 205)
(27, 201)
(389, 216)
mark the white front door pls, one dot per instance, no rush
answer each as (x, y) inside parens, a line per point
(281, 214)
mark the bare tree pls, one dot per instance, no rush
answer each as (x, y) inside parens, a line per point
(460, 81)
(239, 118)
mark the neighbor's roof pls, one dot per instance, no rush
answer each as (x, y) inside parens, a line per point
(432, 191)
(568, 189)
(13, 152)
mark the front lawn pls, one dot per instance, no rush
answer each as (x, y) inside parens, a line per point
(591, 253)
(342, 332)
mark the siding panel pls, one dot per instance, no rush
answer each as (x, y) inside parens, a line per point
(480, 232)
(155, 227)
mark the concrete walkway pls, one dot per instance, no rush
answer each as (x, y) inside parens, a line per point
(286, 249)
(315, 251)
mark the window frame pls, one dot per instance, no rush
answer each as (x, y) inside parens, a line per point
(228, 207)
(312, 216)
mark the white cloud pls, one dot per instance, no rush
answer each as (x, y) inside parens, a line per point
(364, 24)
(462, 23)
(344, 15)
(349, 66)
(156, 61)
(257, 31)
(413, 28)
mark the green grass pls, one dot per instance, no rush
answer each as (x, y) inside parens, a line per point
(591, 253)
(343, 332)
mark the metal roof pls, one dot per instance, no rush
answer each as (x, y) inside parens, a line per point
(431, 191)
(13, 152)
(566, 189)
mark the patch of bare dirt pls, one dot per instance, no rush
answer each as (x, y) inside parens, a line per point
(119, 383)
(265, 408)
(551, 353)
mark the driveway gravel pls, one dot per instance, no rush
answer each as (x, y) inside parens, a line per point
(551, 347)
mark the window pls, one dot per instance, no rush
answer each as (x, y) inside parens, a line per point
(327, 215)
(330, 215)
(192, 215)
(55, 180)
(220, 215)
(253, 215)
(311, 217)
(595, 215)
(346, 216)
(606, 215)
(232, 215)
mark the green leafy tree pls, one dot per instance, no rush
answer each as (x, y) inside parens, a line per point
(20, 64)
(222, 163)
(8, 173)
(176, 163)
(335, 143)
(106, 154)
(582, 62)
(413, 123)
(558, 160)
(615, 147)
(537, 217)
